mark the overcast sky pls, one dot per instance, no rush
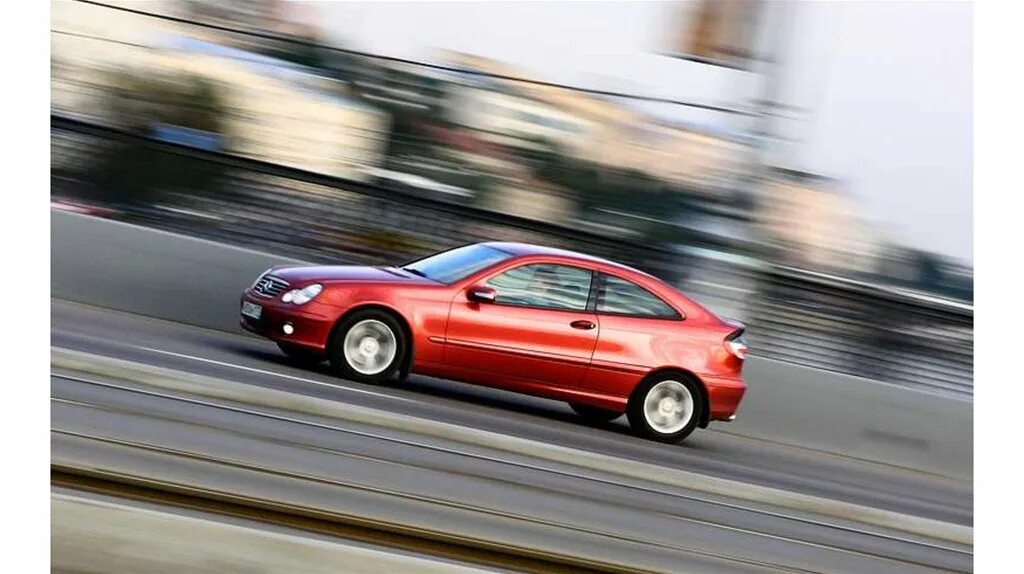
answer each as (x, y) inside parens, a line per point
(887, 85)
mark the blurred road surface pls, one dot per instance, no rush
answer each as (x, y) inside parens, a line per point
(259, 362)
(327, 466)
(196, 282)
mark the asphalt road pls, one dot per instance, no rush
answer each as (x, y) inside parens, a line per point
(188, 280)
(713, 452)
(299, 462)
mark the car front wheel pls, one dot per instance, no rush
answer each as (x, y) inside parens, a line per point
(367, 346)
(665, 408)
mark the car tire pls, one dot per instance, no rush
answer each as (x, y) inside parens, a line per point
(300, 354)
(659, 405)
(354, 356)
(595, 414)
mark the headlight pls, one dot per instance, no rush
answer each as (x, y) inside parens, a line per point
(304, 295)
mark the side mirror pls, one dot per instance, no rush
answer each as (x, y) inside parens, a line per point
(481, 294)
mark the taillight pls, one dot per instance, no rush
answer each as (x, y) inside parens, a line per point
(737, 345)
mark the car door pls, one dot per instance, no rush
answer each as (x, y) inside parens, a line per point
(639, 331)
(537, 330)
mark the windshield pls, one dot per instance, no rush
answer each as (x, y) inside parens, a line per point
(450, 266)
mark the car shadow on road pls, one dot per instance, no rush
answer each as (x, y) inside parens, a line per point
(479, 395)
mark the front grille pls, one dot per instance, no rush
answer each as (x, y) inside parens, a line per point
(270, 286)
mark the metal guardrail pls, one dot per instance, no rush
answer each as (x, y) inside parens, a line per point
(866, 330)
(793, 315)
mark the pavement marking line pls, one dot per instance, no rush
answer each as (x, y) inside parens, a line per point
(273, 373)
(237, 391)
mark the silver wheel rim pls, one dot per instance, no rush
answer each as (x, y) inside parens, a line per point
(369, 347)
(668, 407)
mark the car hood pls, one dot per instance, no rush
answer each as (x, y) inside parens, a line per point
(295, 275)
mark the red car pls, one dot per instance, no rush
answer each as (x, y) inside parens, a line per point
(606, 338)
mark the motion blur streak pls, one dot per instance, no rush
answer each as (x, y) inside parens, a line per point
(195, 144)
(473, 407)
(141, 437)
(793, 405)
(505, 460)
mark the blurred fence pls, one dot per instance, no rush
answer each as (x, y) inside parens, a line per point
(861, 329)
(793, 315)
(315, 216)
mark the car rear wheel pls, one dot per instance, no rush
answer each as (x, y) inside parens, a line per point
(367, 346)
(595, 414)
(665, 407)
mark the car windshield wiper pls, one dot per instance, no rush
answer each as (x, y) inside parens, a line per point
(415, 271)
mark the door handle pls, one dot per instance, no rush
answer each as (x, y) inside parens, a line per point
(586, 325)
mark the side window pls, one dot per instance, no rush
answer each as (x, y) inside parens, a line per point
(543, 285)
(624, 298)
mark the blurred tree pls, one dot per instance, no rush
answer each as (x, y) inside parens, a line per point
(304, 51)
(130, 174)
(629, 197)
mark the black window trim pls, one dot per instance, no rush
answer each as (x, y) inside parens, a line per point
(591, 295)
(599, 283)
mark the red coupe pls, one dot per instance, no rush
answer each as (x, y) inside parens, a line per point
(606, 338)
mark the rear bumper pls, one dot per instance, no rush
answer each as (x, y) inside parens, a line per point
(311, 323)
(724, 396)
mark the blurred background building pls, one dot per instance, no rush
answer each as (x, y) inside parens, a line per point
(811, 223)
(404, 156)
(267, 108)
(480, 130)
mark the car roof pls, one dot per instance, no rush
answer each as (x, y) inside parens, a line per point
(524, 249)
(528, 249)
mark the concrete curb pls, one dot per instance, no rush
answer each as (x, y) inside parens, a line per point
(91, 535)
(210, 387)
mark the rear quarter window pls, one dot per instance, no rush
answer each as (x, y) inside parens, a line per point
(620, 297)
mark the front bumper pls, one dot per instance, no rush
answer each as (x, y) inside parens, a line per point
(311, 323)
